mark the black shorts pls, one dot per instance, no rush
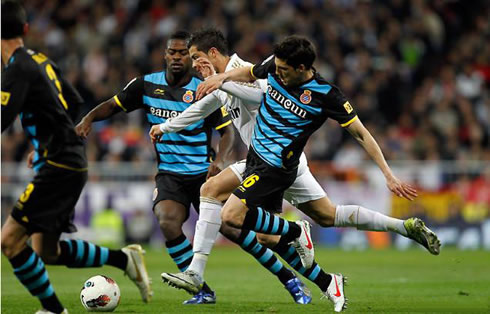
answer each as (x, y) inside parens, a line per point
(48, 203)
(264, 185)
(184, 189)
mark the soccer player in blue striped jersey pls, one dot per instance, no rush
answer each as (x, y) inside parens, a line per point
(297, 102)
(34, 89)
(183, 157)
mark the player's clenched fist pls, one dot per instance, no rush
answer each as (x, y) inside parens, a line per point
(155, 133)
(83, 128)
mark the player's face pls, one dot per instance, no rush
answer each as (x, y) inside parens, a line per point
(196, 54)
(288, 75)
(177, 56)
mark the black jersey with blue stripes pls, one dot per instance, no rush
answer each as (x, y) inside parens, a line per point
(34, 89)
(289, 115)
(188, 151)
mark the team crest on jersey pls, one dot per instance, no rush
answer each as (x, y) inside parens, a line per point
(155, 194)
(305, 98)
(188, 97)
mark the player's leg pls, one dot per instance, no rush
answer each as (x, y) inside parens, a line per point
(315, 273)
(82, 254)
(307, 194)
(28, 266)
(214, 191)
(171, 215)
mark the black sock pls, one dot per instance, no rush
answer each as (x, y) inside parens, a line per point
(180, 250)
(29, 269)
(315, 273)
(262, 221)
(206, 288)
(117, 259)
(248, 242)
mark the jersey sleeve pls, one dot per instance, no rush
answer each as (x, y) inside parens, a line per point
(219, 119)
(198, 111)
(338, 108)
(260, 71)
(15, 86)
(131, 97)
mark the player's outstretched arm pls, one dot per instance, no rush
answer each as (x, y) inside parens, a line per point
(101, 112)
(249, 94)
(214, 82)
(362, 135)
(198, 111)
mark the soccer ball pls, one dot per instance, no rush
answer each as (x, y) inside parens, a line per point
(100, 294)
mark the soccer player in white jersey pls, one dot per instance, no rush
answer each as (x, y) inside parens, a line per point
(305, 192)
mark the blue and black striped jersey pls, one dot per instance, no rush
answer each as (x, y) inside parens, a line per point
(33, 88)
(186, 152)
(289, 115)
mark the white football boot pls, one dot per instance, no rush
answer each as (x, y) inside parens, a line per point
(136, 270)
(304, 245)
(188, 280)
(335, 292)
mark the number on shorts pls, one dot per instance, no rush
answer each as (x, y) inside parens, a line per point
(27, 193)
(250, 181)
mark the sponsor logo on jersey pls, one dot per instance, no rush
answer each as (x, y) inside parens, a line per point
(305, 98)
(164, 113)
(348, 107)
(188, 97)
(158, 91)
(234, 113)
(286, 102)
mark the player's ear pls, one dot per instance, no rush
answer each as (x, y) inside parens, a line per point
(212, 52)
(301, 68)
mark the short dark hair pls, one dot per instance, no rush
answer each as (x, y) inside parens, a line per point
(13, 19)
(296, 50)
(208, 38)
(180, 34)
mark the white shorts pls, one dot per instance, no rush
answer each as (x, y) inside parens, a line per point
(304, 189)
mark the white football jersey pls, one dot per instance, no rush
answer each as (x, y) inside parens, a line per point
(243, 115)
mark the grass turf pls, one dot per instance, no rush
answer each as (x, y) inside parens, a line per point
(379, 282)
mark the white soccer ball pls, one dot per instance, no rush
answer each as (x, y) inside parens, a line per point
(100, 294)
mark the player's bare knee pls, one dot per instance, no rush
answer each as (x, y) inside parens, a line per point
(210, 188)
(11, 247)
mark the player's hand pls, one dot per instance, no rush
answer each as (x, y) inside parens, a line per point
(400, 188)
(214, 169)
(210, 85)
(30, 159)
(155, 133)
(83, 128)
(204, 66)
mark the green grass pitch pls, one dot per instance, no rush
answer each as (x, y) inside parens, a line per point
(385, 281)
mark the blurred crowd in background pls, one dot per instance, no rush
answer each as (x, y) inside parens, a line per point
(417, 72)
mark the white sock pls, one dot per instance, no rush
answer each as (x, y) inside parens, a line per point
(207, 229)
(198, 263)
(366, 219)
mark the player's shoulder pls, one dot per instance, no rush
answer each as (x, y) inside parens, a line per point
(320, 85)
(236, 62)
(157, 78)
(22, 62)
